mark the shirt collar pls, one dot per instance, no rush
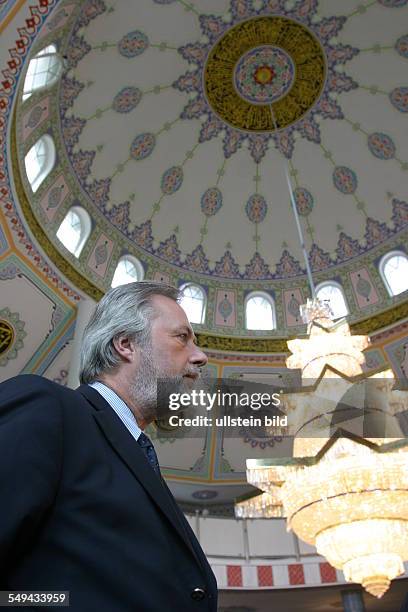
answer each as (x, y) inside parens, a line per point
(119, 406)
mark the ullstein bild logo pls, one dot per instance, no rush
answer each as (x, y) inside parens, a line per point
(228, 421)
(307, 408)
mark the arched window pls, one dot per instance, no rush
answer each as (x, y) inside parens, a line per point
(394, 271)
(39, 161)
(193, 302)
(259, 311)
(43, 70)
(128, 270)
(74, 230)
(332, 293)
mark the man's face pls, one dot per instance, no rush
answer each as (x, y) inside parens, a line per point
(169, 362)
(173, 341)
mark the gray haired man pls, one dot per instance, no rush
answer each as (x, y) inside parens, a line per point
(84, 506)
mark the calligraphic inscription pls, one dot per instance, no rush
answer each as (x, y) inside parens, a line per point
(6, 336)
(261, 63)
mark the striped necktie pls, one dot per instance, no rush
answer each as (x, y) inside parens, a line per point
(148, 449)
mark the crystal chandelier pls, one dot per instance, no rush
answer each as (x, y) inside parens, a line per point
(343, 492)
(327, 344)
(351, 503)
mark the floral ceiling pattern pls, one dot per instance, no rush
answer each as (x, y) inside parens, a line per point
(178, 119)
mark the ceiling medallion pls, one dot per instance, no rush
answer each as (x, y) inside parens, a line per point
(265, 61)
(6, 336)
(12, 335)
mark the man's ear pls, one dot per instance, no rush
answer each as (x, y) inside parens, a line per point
(126, 348)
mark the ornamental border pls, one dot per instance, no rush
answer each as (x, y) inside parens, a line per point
(210, 341)
(206, 340)
(27, 34)
(280, 576)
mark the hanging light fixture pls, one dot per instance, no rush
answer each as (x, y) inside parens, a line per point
(341, 492)
(350, 501)
(327, 344)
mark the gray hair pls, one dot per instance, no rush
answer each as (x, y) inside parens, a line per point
(123, 311)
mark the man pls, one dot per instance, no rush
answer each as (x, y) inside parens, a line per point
(83, 506)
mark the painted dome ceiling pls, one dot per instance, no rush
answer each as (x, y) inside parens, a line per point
(174, 122)
(178, 119)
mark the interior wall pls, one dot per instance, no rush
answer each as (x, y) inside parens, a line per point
(37, 307)
(35, 297)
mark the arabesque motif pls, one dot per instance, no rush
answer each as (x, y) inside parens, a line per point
(278, 61)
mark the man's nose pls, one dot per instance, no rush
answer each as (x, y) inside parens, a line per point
(199, 358)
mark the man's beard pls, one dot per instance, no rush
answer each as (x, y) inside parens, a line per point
(152, 386)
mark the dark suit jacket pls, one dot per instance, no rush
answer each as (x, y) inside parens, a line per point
(81, 510)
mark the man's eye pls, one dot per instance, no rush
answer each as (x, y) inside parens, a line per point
(184, 336)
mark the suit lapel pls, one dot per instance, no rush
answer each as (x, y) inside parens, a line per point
(186, 529)
(130, 452)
